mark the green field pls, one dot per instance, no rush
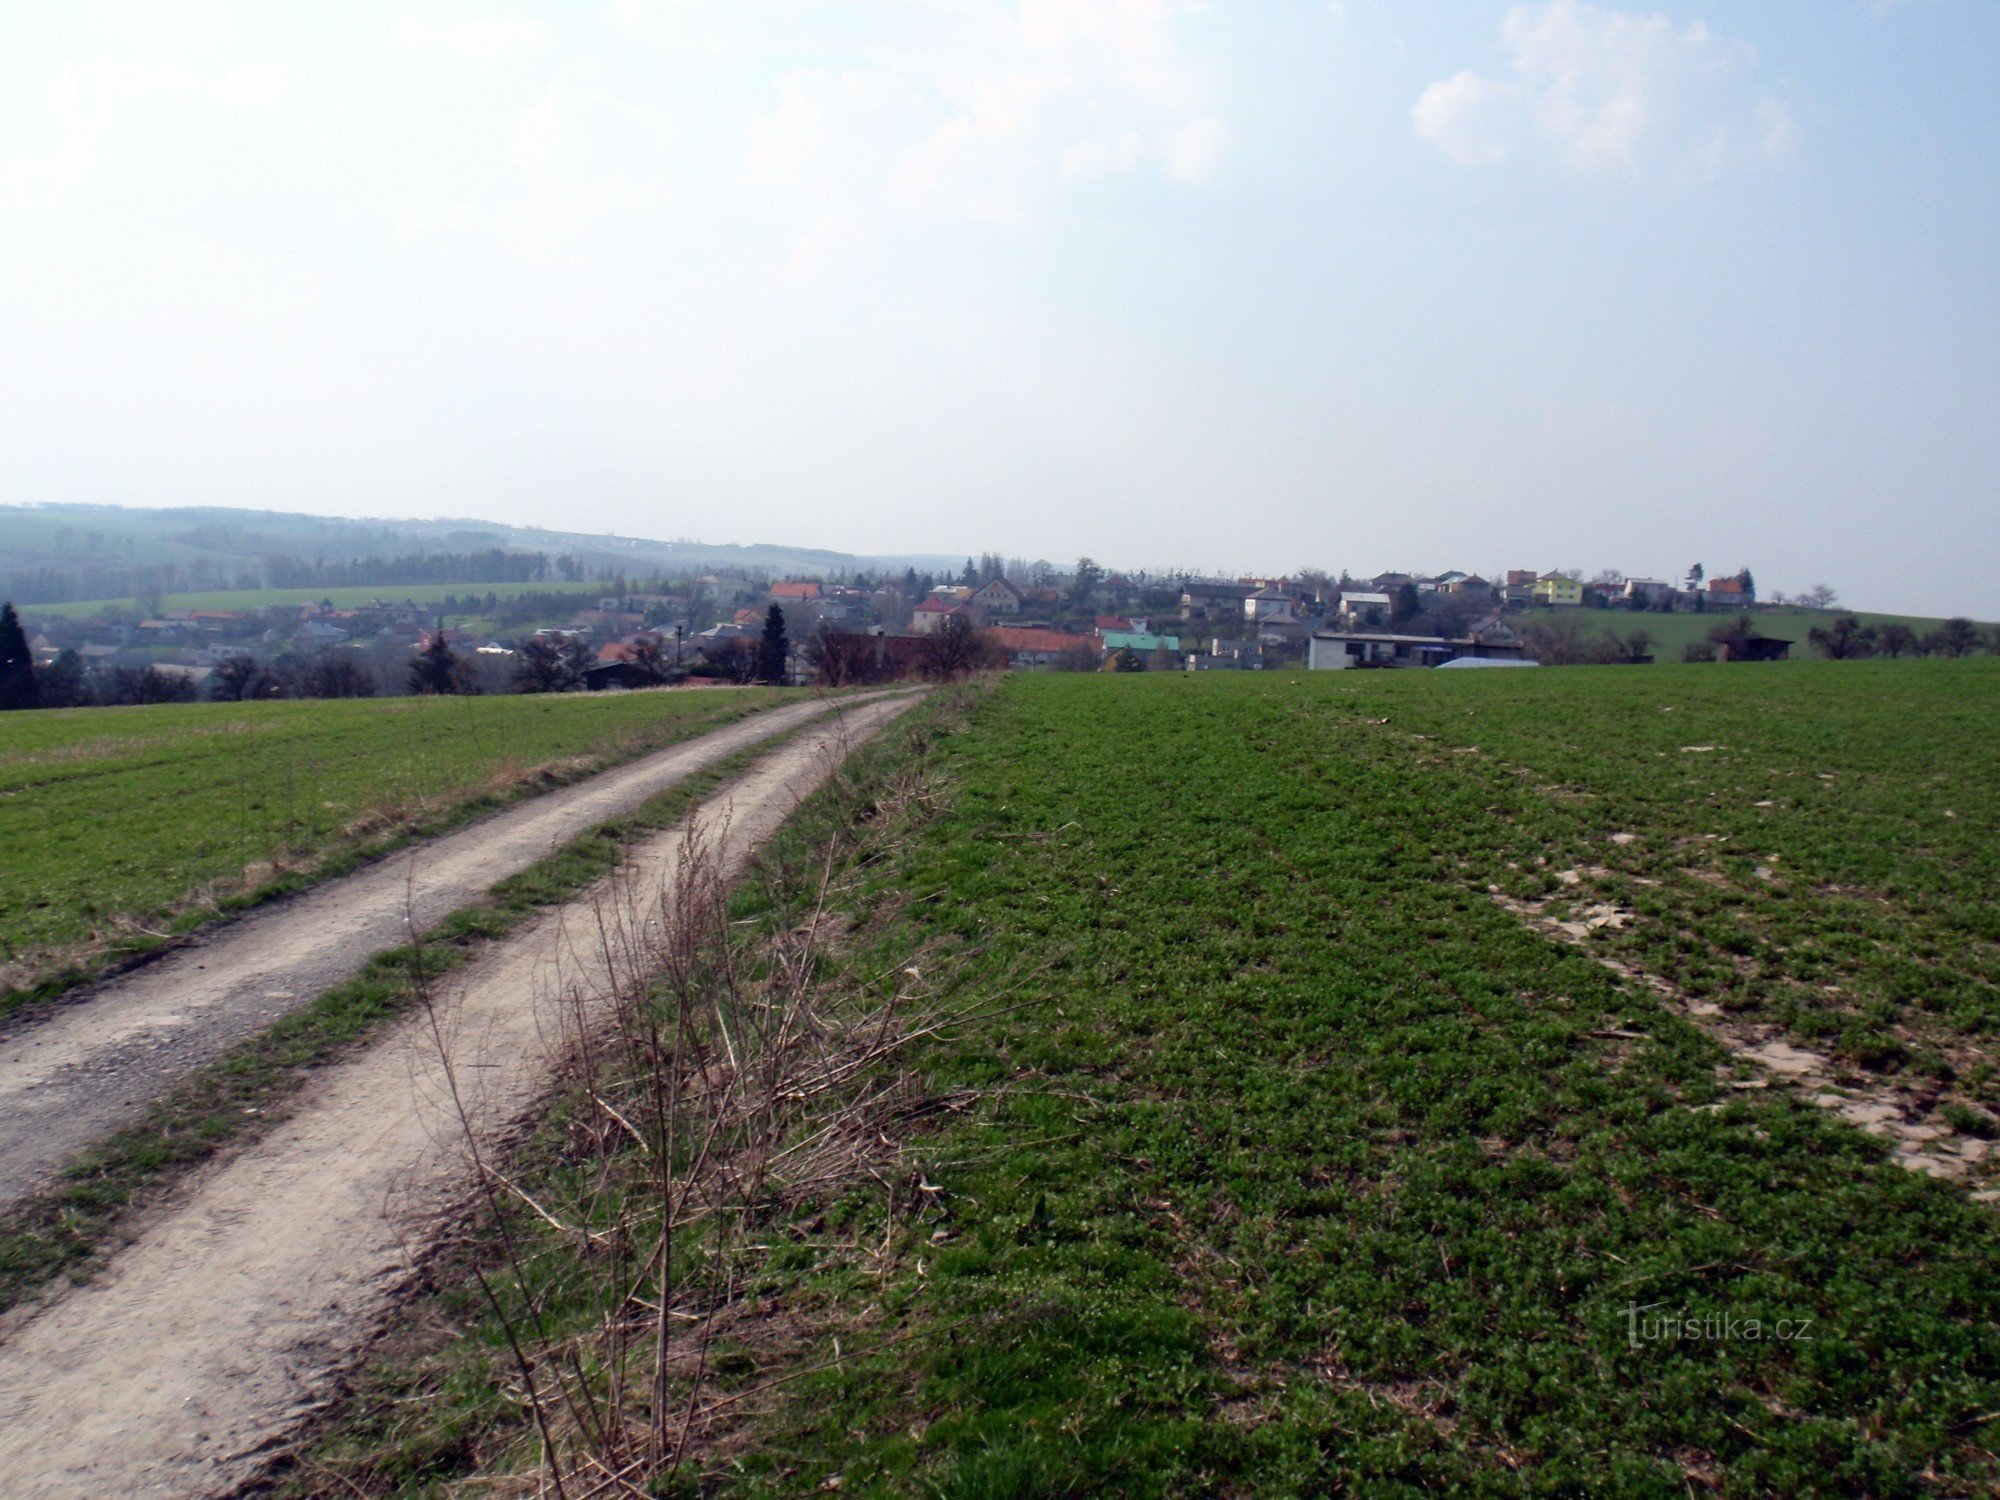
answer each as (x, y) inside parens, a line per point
(1304, 1162)
(250, 599)
(1673, 633)
(120, 820)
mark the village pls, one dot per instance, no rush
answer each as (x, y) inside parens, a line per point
(721, 627)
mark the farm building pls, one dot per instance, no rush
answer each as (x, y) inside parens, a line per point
(1337, 650)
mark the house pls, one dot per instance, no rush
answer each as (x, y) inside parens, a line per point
(1388, 583)
(1028, 648)
(997, 598)
(319, 633)
(1364, 609)
(1444, 583)
(1493, 630)
(1269, 604)
(1559, 591)
(1470, 586)
(1519, 589)
(1202, 599)
(1730, 592)
(1647, 593)
(929, 616)
(1338, 650)
(1141, 641)
(801, 592)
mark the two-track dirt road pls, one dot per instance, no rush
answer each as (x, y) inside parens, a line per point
(72, 1074)
(236, 1307)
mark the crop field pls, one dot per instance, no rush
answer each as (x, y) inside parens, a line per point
(121, 824)
(343, 598)
(1392, 1083)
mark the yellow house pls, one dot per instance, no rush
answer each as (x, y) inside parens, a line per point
(1553, 588)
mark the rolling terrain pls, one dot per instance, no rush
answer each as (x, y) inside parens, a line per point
(1559, 1082)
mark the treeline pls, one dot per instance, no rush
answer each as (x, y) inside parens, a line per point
(83, 580)
(492, 565)
(70, 585)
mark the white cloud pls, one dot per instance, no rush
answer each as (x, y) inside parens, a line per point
(1609, 90)
(1196, 150)
(835, 246)
(584, 154)
(91, 101)
(476, 39)
(1467, 116)
(1001, 105)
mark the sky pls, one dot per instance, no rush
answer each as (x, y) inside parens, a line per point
(1240, 287)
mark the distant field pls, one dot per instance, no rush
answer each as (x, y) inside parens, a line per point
(1306, 1165)
(1673, 633)
(115, 820)
(246, 599)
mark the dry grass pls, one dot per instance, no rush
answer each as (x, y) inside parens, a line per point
(727, 1078)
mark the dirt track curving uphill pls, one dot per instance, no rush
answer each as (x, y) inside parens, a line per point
(73, 1074)
(200, 1345)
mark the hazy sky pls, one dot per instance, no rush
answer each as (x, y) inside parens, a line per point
(1248, 284)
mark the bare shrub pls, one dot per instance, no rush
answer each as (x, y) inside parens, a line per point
(724, 1076)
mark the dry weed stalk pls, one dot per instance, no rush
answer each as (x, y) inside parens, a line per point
(719, 1077)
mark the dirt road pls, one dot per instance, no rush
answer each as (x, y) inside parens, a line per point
(201, 1343)
(71, 1075)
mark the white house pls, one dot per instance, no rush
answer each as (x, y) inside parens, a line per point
(1269, 606)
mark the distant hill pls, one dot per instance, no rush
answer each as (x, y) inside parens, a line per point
(56, 553)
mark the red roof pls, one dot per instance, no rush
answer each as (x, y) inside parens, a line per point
(937, 606)
(807, 590)
(1113, 622)
(1028, 638)
(1724, 586)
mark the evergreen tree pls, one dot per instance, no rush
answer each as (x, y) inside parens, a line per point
(438, 669)
(773, 649)
(17, 664)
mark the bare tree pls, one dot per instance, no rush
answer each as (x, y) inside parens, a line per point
(1845, 639)
(956, 648)
(1958, 636)
(551, 664)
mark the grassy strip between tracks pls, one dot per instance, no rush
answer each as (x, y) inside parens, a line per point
(68, 1227)
(1303, 1167)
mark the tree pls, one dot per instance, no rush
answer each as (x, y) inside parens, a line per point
(1819, 596)
(1958, 636)
(955, 648)
(1124, 659)
(551, 664)
(237, 679)
(18, 688)
(1894, 640)
(150, 686)
(1734, 635)
(1406, 606)
(1844, 640)
(1084, 582)
(773, 650)
(1696, 574)
(437, 669)
(649, 654)
(343, 674)
(63, 683)
(841, 658)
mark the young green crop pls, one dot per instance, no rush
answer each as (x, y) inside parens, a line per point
(1304, 1166)
(120, 820)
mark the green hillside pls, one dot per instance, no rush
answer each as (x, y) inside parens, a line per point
(1672, 634)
